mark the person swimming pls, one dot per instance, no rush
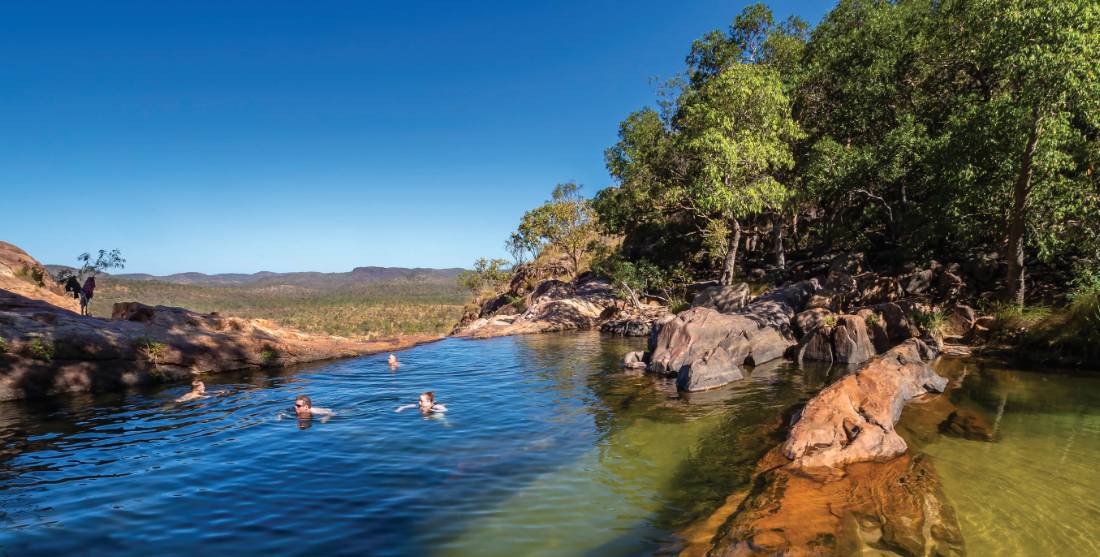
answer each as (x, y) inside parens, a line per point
(304, 409)
(198, 390)
(394, 364)
(426, 403)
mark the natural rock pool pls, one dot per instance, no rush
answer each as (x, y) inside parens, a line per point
(548, 449)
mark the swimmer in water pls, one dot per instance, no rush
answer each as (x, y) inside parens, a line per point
(393, 361)
(198, 390)
(427, 404)
(304, 409)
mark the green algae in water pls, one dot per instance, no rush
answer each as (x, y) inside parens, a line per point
(1033, 491)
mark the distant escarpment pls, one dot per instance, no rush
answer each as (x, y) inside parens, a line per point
(46, 347)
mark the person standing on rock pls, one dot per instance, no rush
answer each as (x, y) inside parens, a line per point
(86, 293)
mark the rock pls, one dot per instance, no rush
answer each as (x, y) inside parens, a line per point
(982, 330)
(851, 344)
(872, 289)
(876, 329)
(896, 321)
(694, 333)
(848, 263)
(817, 346)
(768, 345)
(853, 419)
(55, 350)
(555, 306)
(18, 272)
(812, 318)
(968, 424)
(960, 321)
(634, 360)
(919, 282)
(823, 300)
(892, 508)
(723, 299)
(714, 370)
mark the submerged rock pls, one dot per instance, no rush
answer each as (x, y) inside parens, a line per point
(891, 508)
(714, 370)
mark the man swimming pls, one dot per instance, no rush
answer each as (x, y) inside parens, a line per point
(304, 409)
(426, 403)
(394, 364)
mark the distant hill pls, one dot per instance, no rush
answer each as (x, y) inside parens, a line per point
(358, 275)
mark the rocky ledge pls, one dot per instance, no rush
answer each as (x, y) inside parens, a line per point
(842, 483)
(585, 303)
(47, 349)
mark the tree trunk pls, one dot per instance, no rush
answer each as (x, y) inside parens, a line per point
(1017, 223)
(777, 237)
(729, 269)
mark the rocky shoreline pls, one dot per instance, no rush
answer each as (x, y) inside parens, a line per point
(47, 348)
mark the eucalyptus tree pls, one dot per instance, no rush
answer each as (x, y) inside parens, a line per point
(566, 223)
(737, 131)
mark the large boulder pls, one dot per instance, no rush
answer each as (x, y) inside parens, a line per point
(713, 370)
(695, 333)
(853, 419)
(812, 318)
(723, 299)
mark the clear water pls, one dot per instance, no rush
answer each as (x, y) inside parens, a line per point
(1034, 490)
(548, 449)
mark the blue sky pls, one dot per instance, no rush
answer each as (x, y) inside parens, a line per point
(247, 136)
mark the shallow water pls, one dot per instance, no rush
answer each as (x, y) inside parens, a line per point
(548, 449)
(1032, 491)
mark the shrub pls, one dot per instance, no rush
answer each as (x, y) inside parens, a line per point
(40, 349)
(269, 356)
(872, 319)
(152, 350)
(829, 321)
(3, 346)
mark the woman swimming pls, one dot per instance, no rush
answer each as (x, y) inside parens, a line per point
(426, 403)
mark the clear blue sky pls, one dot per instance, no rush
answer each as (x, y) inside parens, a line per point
(286, 136)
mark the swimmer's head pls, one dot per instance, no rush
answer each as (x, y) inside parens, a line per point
(198, 387)
(427, 400)
(392, 359)
(302, 406)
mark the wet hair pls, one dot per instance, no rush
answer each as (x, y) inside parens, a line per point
(304, 398)
(197, 383)
(430, 395)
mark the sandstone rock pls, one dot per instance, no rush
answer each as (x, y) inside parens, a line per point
(960, 321)
(817, 346)
(919, 282)
(554, 306)
(851, 343)
(896, 320)
(768, 345)
(968, 424)
(694, 333)
(853, 419)
(848, 263)
(892, 508)
(812, 318)
(714, 370)
(723, 299)
(872, 289)
(146, 344)
(634, 360)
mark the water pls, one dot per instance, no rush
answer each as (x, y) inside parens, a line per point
(548, 449)
(1033, 490)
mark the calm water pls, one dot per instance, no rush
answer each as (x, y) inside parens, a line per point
(548, 449)
(1034, 490)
